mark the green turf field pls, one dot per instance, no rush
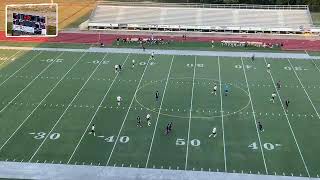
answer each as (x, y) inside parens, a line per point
(49, 100)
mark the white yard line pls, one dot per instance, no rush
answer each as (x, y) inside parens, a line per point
(64, 112)
(222, 122)
(304, 89)
(125, 118)
(95, 113)
(156, 124)
(18, 128)
(10, 57)
(190, 112)
(29, 84)
(315, 65)
(254, 116)
(34, 57)
(289, 123)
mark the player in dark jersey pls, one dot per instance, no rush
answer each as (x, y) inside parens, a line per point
(260, 127)
(157, 95)
(287, 102)
(278, 85)
(139, 122)
(252, 58)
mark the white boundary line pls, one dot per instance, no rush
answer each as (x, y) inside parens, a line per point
(18, 128)
(291, 129)
(304, 89)
(125, 118)
(254, 116)
(34, 57)
(222, 122)
(95, 113)
(12, 56)
(190, 112)
(43, 70)
(155, 128)
(64, 112)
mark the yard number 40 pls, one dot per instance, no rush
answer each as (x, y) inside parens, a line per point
(267, 146)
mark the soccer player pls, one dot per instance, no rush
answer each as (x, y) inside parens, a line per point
(214, 90)
(168, 128)
(278, 85)
(260, 127)
(214, 132)
(273, 96)
(268, 67)
(119, 99)
(148, 119)
(152, 55)
(133, 61)
(116, 67)
(139, 122)
(157, 95)
(226, 90)
(92, 130)
(252, 58)
(287, 104)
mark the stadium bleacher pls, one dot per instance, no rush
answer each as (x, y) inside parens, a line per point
(287, 19)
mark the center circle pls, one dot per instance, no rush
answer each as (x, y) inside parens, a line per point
(236, 101)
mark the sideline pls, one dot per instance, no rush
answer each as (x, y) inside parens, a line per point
(175, 52)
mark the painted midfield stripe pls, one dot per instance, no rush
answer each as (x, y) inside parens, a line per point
(29, 84)
(18, 128)
(125, 118)
(254, 116)
(190, 112)
(74, 98)
(95, 113)
(289, 123)
(156, 124)
(222, 121)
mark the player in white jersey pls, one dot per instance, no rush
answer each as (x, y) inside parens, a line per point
(133, 61)
(148, 119)
(214, 90)
(116, 68)
(273, 96)
(152, 55)
(92, 130)
(119, 99)
(214, 132)
(268, 66)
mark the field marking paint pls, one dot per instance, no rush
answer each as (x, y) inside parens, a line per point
(222, 121)
(155, 128)
(315, 64)
(289, 123)
(304, 89)
(254, 116)
(95, 113)
(125, 118)
(190, 112)
(64, 112)
(43, 70)
(12, 56)
(18, 128)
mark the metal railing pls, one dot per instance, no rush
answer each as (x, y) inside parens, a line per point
(199, 5)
